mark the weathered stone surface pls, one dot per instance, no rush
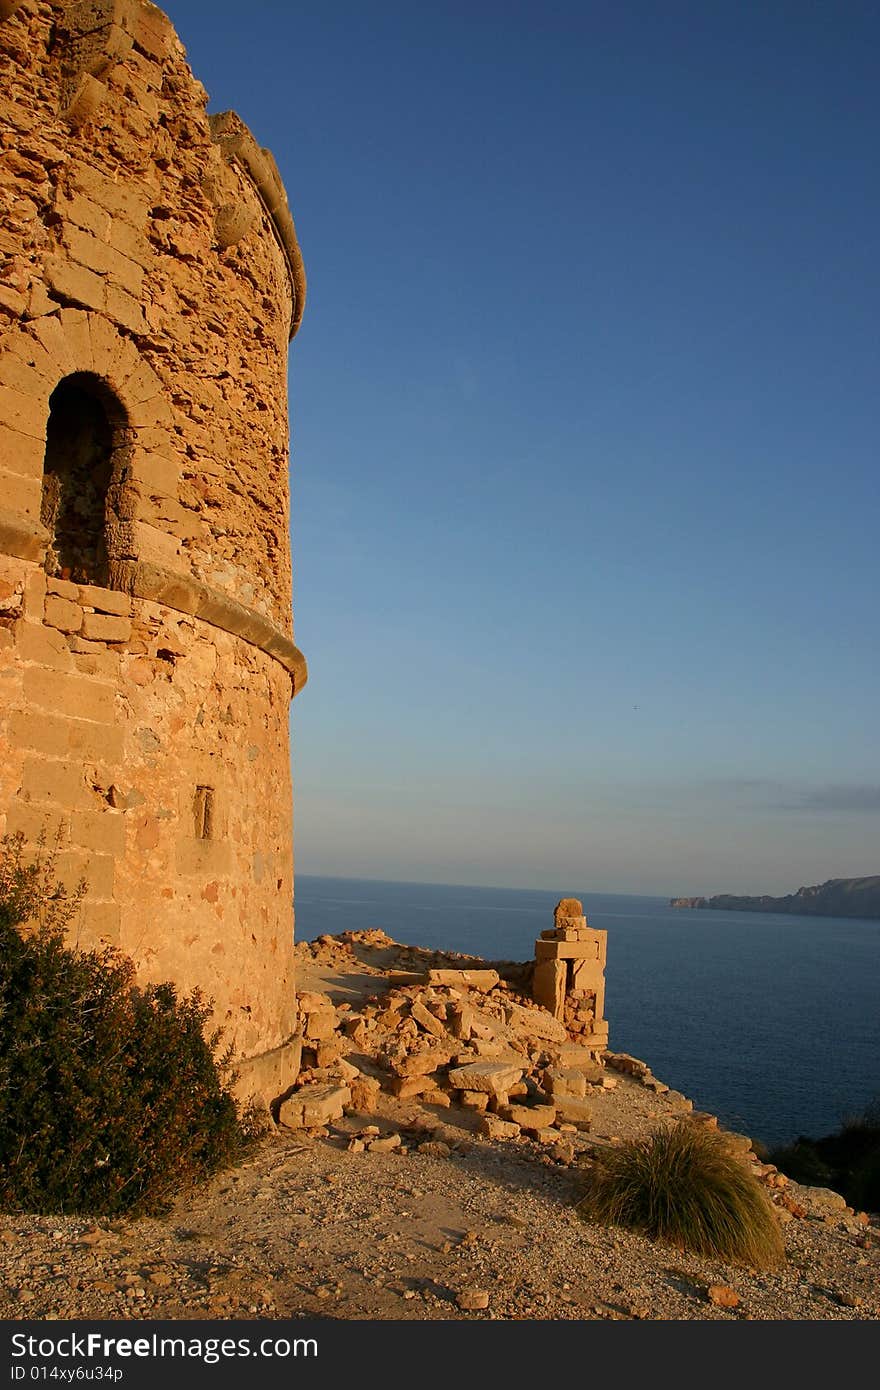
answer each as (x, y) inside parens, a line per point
(548, 986)
(482, 980)
(572, 1111)
(427, 1020)
(723, 1296)
(364, 1094)
(495, 1078)
(535, 1023)
(581, 1059)
(473, 1100)
(493, 1127)
(314, 1105)
(422, 1062)
(473, 1300)
(181, 663)
(565, 1081)
(530, 1117)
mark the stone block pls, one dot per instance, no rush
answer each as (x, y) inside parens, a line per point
(404, 1087)
(496, 1078)
(364, 1094)
(530, 1117)
(98, 830)
(422, 1062)
(25, 413)
(548, 985)
(314, 1105)
(534, 1023)
(62, 613)
(427, 1020)
(80, 697)
(63, 588)
(482, 980)
(75, 327)
(581, 1059)
(97, 870)
(104, 600)
(105, 627)
(21, 495)
(320, 1025)
(121, 198)
(45, 645)
(82, 212)
(19, 376)
(99, 924)
(494, 1128)
(50, 779)
(473, 1100)
(96, 255)
(124, 309)
(572, 1111)
(565, 1081)
(34, 821)
(75, 282)
(22, 455)
(566, 950)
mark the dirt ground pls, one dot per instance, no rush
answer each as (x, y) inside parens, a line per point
(308, 1228)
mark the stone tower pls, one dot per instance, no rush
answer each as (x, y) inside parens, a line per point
(150, 280)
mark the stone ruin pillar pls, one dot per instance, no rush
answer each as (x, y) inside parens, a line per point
(569, 976)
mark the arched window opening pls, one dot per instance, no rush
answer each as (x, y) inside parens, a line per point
(84, 439)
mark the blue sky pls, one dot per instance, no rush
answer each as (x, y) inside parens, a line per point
(584, 433)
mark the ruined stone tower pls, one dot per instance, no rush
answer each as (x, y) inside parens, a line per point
(150, 280)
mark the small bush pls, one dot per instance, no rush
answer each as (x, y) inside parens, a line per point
(110, 1094)
(682, 1185)
(847, 1161)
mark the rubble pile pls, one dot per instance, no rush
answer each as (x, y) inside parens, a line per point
(442, 1036)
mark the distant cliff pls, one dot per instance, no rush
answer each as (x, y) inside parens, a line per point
(837, 897)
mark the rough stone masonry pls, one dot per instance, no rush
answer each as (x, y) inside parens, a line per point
(150, 281)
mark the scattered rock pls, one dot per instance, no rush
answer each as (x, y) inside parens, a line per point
(723, 1296)
(473, 1300)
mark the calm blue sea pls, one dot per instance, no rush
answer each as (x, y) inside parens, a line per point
(771, 1022)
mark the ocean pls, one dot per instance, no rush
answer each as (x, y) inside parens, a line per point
(770, 1022)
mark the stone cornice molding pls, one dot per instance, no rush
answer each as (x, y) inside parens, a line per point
(27, 539)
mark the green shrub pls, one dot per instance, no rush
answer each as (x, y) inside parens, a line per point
(111, 1096)
(848, 1161)
(682, 1185)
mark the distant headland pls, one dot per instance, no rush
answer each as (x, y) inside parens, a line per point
(837, 897)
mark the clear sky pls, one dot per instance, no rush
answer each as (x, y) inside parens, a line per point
(584, 432)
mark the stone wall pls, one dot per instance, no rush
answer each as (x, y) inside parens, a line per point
(569, 975)
(150, 281)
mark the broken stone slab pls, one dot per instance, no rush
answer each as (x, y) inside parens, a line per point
(494, 1077)
(420, 1063)
(482, 980)
(314, 1105)
(364, 1094)
(583, 1060)
(493, 1127)
(473, 1100)
(406, 1086)
(573, 1111)
(437, 1097)
(535, 1023)
(565, 1081)
(427, 1020)
(387, 1144)
(530, 1117)
(548, 985)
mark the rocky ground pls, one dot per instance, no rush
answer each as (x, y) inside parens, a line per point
(405, 1206)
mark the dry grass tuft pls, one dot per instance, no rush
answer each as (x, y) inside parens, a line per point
(682, 1185)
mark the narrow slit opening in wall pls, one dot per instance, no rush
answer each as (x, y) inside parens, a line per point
(203, 809)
